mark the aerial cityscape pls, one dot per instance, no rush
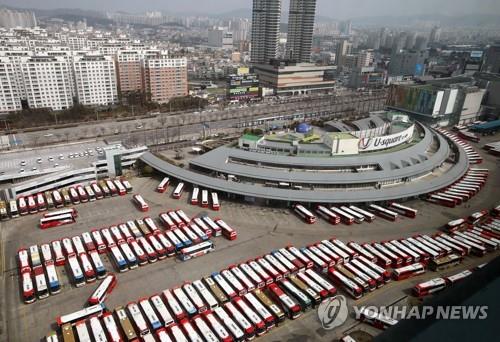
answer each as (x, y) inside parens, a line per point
(279, 170)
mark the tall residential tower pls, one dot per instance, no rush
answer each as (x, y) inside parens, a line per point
(300, 30)
(266, 17)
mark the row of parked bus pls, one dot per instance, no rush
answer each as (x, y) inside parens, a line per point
(355, 214)
(130, 244)
(440, 283)
(41, 202)
(493, 148)
(472, 155)
(235, 304)
(195, 194)
(462, 190)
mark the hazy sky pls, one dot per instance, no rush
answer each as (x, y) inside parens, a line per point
(340, 9)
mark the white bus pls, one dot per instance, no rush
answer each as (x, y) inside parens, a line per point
(432, 253)
(327, 214)
(342, 255)
(82, 332)
(369, 272)
(72, 318)
(162, 187)
(204, 198)
(58, 253)
(243, 323)
(377, 320)
(178, 191)
(345, 217)
(150, 314)
(306, 215)
(320, 264)
(76, 270)
(215, 201)
(228, 322)
(206, 332)
(381, 271)
(111, 327)
(194, 297)
(97, 330)
(362, 251)
(174, 305)
(367, 215)
(257, 280)
(194, 196)
(140, 203)
(242, 277)
(187, 305)
(13, 209)
(254, 265)
(228, 290)
(277, 265)
(299, 255)
(269, 268)
(358, 218)
(235, 283)
(383, 212)
(162, 310)
(348, 285)
(285, 262)
(138, 319)
(254, 318)
(206, 294)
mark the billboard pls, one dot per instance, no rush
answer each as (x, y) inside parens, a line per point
(415, 99)
(241, 86)
(386, 141)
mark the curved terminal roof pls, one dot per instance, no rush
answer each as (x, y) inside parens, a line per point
(410, 189)
(403, 163)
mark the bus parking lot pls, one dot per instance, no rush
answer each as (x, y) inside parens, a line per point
(260, 230)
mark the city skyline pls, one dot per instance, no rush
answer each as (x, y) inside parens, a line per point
(340, 9)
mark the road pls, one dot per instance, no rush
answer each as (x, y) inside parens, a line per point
(171, 127)
(260, 230)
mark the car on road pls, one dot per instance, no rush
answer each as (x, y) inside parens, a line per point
(39, 160)
(23, 163)
(56, 164)
(21, 171)
(51, 159)
(34, 168)
(61, 157)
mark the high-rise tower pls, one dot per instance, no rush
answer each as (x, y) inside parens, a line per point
(266, 17)
(300, 29)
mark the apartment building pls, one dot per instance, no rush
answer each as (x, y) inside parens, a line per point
(47, 82)
(95, 80)
(9, 95)
(165, 78)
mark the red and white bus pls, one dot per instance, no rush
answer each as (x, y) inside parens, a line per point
(27, 286)
(204, 198)
(329, 258)
(470, 189)
(219, 329)
(283, 270)
(249, 272)
(413, 254)
(206, 294)
(140, 203)
(151, 317)
(429, 287)
(222, 283)
(235, 283)
(111, 187)
(190, 331)
(215, 201)
(441, 246)
(290, 257)
(103, 290)
(260, 272)
(242, 278)
(46, 252)
(404, 210)
(87, 267)
(386, 275)
(184, 300)
(433, 254)
(157, 246)
(108, 237)
(465, 195)
(344, 217)
(58, 200)
(325, 284)
(443, 237)
(291, 308)
(395, 260)
(450, 280)
(306, 215)
(407, 258)
(81, 315)
(167, 221)
(347, 285)
(40, 202)
(194, 297)
(182, 215)
(299, 255)
(269, 268)
(77, 242)
(22, 258)
(349, 275)
(383, 212)
(42, 291)
(327, 214)
(358, 218)
(228, 232)
(146, 246)
(478, 217)
(200, 233)
(255, 320)
(169, 247)
(58, 253)
(455, 248)
(68, 246)
(457, 199)
(237, 333)
(377, 277)
(343, 247)
(261, 310)
(377, 320)
(162, 310)
(174, 305)
(151, 224)
(323, 293)
(408, 271)
(431, 245)
(177, 333)
(96, 235)
(369, 217)
(204, 329)
(178, 191)
(216, 230)
(194, 196)
(285, 262)
(97, 191)
(122, 191)
(32, 208)
(87, 240)
(372, 283)
(111, 327)
(362, 251)
(98, 265)
(177, 220)
(82, 194)
(23, 208)
(382, 259)
(162, 187)
(137, 319)
(455, 225)
(56, 221)
(320, 264)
